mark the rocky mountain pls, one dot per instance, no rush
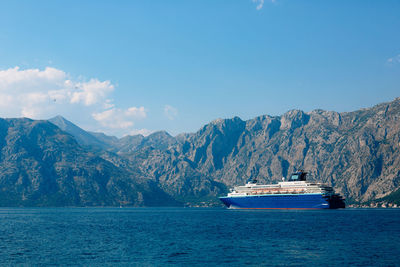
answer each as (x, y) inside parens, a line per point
(126, 144)
(356, 152)
(41, 165)
(84, 138)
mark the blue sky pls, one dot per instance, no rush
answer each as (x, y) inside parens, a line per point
(126, 67)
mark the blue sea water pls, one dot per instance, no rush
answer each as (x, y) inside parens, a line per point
(199, 237)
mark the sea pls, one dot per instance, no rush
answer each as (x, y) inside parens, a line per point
(198, 237)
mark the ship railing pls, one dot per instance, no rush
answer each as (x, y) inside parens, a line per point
(278, 191)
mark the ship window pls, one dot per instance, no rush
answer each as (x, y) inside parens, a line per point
(298, 176)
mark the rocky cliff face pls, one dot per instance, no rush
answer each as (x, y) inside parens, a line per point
(40, 165)
(356, 152)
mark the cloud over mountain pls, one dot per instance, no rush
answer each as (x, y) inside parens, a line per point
(40, 94)
(34, 93)
(118, 118)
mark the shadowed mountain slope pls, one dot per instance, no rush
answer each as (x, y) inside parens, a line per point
(40, 165)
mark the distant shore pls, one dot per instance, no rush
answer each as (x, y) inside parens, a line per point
(375, 205)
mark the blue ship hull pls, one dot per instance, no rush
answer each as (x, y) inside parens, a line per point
(284, 201)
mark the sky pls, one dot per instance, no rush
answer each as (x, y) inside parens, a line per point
(135, 67)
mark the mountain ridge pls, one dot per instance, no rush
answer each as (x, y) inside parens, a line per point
(357, 152)
(41, 165)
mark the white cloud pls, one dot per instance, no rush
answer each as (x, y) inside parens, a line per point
(20, 78)
(394, 60)
(260, 3)
(135, 112)
(144, 132)
(170, 112)
(91, 92)
(108, 104)
(42, 94)
(6, 100)
(116, 118)
(35, 92)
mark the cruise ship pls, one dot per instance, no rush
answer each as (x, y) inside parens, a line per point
(296, 193)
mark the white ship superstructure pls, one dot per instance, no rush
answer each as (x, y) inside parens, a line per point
(290, 187)
(295, 193)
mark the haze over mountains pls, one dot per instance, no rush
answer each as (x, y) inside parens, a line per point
(56, 163)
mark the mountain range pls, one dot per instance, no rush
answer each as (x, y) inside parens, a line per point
(56, 163)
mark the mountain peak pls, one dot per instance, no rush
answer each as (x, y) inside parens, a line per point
(61, 122)
(159, 133)
(82, 137)
(59, 117)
